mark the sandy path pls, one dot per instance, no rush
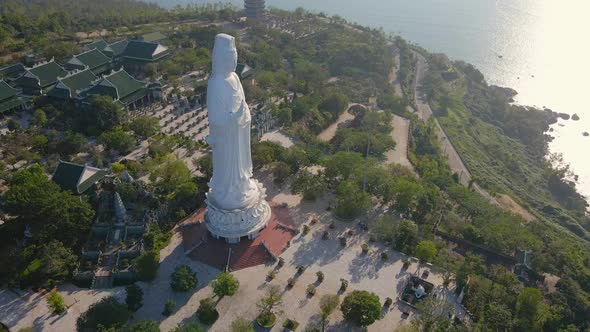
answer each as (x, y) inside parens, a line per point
(400, 132)
(278, 136)
(327, 134)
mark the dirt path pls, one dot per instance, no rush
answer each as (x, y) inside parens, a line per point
(401, 130)
(327, 134)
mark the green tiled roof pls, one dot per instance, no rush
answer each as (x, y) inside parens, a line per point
(153, 37)
(125, 83)
(70, 86)
(48, 73)
(76, 178)
(6, 91)
(118, 47)
(135, 96)
(10, 103)
(12, 71)
(120, 86)
(93, 58)
(145, 51)
(244, 71)
(97, 44)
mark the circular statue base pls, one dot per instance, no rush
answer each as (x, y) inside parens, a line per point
(232, 225)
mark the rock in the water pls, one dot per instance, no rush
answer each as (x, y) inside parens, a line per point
(586, 134)
(564, 116)
(507, 92)
(575, 117)
(550, 130)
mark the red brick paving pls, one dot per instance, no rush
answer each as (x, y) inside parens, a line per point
(245, 254)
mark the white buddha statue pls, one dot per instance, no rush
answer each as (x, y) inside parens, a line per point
(234, 197)
(232, 186)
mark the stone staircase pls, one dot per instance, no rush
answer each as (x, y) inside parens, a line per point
(254, 255)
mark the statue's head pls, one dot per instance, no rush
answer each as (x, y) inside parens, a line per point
(225, 55)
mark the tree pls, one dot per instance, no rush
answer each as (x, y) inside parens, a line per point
(37, 201)
(106, 314)
(169, 308)
(117, 140)
(183, 279)
(134, 297)
(270, 301)
(144, 126)
(433, 315)
(280, 171)
(146, 265)
(351, 201)
(328, 303)
(39, 118)
(241, 325)
(56, 302)
(72, 143)
(334, 104)
(145, 326)
(205, 165)
(344, 166)
(497, 317)
(102, 114)
(529, 310)
(207, 313)
(190, 327)
(170, 175)
(311, 186)
(426, 251)
(361, 307)
(58, 259)
(225, 284)
(13, 125)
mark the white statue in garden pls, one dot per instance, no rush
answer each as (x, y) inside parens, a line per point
(236, 202)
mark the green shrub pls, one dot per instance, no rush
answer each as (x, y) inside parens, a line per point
(291, 324)
(361, 307)
(146, 265)
(320, 276)
(145, 326)
(183, 279)
(225, 284)
(134, 297)
(169, 308)
(207, 313)
(108, 313)
(56, 303)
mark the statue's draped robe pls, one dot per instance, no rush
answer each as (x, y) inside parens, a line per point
(231, 186)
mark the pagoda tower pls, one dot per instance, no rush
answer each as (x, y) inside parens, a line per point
(254, 8)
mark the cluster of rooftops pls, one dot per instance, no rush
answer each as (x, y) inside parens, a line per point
(100, 69)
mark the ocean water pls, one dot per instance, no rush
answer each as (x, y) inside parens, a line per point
(537, 47)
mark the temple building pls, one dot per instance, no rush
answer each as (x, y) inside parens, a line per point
(9, 99)
(12, 72)
(254, 8)
(123, 88)
(133, 55)
(70, 86)
(77, 178)
(139, 53)
(94, 60)
(39, 79)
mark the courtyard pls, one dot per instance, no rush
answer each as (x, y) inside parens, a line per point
(369, 272)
